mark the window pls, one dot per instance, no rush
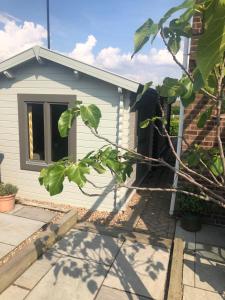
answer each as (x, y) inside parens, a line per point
(40, 141)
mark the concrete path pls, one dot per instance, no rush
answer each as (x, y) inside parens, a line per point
(19, 224)
(204, 263)
(85, 265)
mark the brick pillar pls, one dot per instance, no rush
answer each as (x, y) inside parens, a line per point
(205, 137)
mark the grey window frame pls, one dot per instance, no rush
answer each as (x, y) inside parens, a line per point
(47, 100)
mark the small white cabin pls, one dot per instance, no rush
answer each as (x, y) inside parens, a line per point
(36, 86)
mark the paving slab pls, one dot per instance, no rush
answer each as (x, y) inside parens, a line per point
(89, 246)
(14, 293)
(70, 278)
(211, 252)
(16, 208)
(107, 293)
(197, 294)
(187, 236)
(37, 270)
(35, 213)
(14, 229)
(189, 269)
(209, 275)
(211, 235)
(4, 249)
(140, 269)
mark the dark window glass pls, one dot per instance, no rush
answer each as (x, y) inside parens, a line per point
(59, 144)
(35, 118)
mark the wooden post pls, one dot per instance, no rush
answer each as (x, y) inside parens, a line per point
(30, 132)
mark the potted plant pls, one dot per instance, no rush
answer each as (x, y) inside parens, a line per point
(190, 209)
(7, 196)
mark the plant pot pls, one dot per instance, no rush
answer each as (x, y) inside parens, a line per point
(191, 222)
(7, 203)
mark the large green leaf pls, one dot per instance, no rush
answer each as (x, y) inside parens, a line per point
(53, 179)
(98, 167)
(174, 44)
(216, 165)
(204, 116)
(189, 95)
(171, 87)
(186, 4)
(143, 91)
(145, 123)
(90, 115)
(211, 45)
(143, 34)
(65, 122)
(77, 173)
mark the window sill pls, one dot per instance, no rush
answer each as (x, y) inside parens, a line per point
(34, 166)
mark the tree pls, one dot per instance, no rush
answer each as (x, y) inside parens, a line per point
(204, 170)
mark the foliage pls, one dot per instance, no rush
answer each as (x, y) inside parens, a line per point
(106, 158)
(190, 204)
(207, 79)
(174, 126)
(7, 189)
(175, 109)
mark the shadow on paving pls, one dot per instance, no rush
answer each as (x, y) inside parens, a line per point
(88, 260)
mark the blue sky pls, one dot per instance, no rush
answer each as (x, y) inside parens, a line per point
(111, 24)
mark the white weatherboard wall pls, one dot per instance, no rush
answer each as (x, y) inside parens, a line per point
(50, 78)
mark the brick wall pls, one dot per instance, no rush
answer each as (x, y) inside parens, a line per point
(192, 134)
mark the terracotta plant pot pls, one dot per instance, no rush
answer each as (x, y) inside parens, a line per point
(7, 203)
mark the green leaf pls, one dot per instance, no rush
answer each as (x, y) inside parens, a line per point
(211, 45)
(42, 175)
(90, 115)
(193, 159)
(186, 4)
(144, 89)
(174, 44)
(98, 168)
(77, 173)
(189, 95)
(204, 116)
(216, 166)
(53, 179)
(198, 80)
(143, 34)
(171, 88)
(145, 123)
(65, 122)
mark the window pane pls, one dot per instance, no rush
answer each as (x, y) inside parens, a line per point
(35, 116)
(59, 144)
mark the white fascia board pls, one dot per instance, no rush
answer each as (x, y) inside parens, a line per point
(89, 70)
(16, 60)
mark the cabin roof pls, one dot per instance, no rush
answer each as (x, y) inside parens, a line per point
(41, 54)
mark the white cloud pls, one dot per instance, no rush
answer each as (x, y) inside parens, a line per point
(16, 37)
(153, 66)
(83, 51)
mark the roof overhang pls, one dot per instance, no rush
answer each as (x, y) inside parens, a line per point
(41, 53)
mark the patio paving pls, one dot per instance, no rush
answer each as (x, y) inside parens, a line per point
(204, 263)
(35, 213)
(13, 229)
(19, 224)
(85, 265)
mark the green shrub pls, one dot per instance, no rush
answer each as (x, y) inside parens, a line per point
(174, 125)
(175, 110)
(7, 189)
(194, 205)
